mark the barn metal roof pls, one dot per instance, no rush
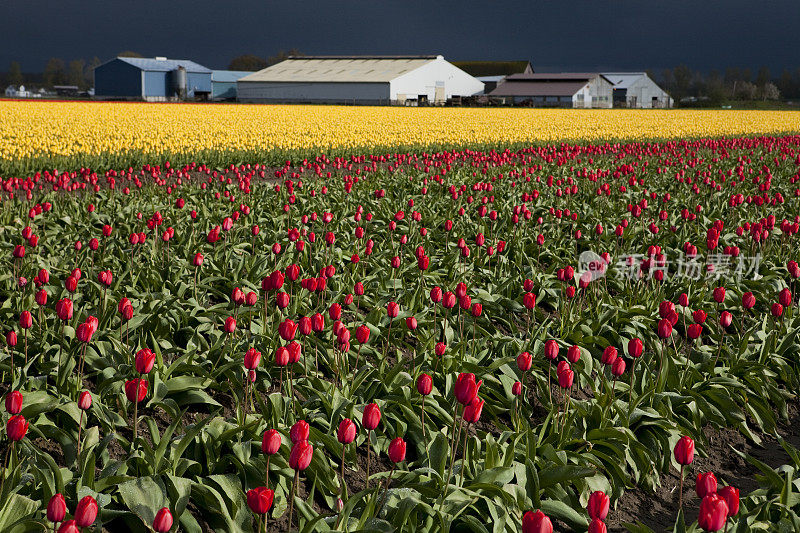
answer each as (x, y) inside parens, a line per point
(372, 69)
(556, 76)
(227, 76)
(163, 65)
(623, 80)
(538, 88)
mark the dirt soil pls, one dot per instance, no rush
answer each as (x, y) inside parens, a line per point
(658, 511)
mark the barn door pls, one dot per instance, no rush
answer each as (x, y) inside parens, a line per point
(438, 95)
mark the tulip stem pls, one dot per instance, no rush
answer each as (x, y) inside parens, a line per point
(291, 502)
(385, 491)
(266, 480)
(344, 486)
(453, 444)
(136, 411)
(5, 467)
(680, 492)
(719, 350)
(80, 427)
(422, 416)
(388, 338)
(464, 459)
(369, 435)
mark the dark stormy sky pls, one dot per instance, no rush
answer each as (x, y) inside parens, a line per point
(554, 35)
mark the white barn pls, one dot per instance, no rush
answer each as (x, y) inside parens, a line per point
(564, 89)
(364, 80)
(637, 90)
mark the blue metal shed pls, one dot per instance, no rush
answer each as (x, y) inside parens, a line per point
(152, 79)
(223, 83)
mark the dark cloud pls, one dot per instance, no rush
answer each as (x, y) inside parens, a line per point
(555, 35)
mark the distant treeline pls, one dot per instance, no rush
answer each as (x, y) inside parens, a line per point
(735, 83)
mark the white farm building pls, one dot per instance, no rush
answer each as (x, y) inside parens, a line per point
(364, 80)
(564, 89)
(637, 90)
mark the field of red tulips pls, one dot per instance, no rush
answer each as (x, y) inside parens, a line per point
(559, 338)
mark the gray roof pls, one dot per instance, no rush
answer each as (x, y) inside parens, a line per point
(539, 88)
(365, 69)
(163, 65)
(228, 75)
(623, 80)
(557, 76)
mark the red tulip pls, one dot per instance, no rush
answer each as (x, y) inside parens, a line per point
(346, 432)
(287, 329)
(516, 388)
(230, 324)
(282, 356)
(748, 300)
(529, 300)
(197, 261)
(144, 361)
(86, 512)
(260, 499)
(573, 354)
(56, 508)
(524, 361)
(11, 338)
(472, 412)
(719, 295)
(300, 456)
(694, 331)
(16, 427)
(371, 417)
(776, 310)
(392, 309)
(397, 450)
(785, 297)
(713, 513)
(70, 526)
(85, 400)
(466, 389)
(731, 497)
(551, 349)
(136, 390)
(25, 320)
(597, 526)
(566, 378)
(162, 523)
(14, 402)
(609, 355)
(536, 522)
(64, 309)
(300, 431)
(424, 384)
(411, 323)
(706, 484)
(684, 451)
(598, 505)
(664, 328)
(252, 358)
(271, 442)
(635, 347)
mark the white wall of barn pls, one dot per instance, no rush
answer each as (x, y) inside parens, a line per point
(596, 94)
(423, 80)
(314, 92)
(642, 92)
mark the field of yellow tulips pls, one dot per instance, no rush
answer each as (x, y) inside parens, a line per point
(38, 135)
